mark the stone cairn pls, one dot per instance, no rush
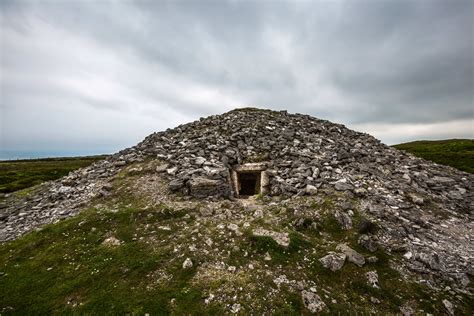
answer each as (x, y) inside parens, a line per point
(299, 155)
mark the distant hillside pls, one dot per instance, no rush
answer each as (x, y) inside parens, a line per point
(457, 153)
(20, 174)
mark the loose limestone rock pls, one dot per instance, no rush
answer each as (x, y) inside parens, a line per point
(111, 242)
(344, 219)
(202, 187)
(311, 189)
(367, 242)
(280, 238)
(352, 255)
(235, 228)
(188, 263)
(449, 306)
(373, 279)
(312, 301)
(333, 261)
(343, 185)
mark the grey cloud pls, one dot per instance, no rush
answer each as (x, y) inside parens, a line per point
(377, 62)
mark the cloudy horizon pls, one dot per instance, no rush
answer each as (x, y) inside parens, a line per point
(92, 77)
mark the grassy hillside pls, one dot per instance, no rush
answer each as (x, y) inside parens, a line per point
(125, 254)
(457, 153)
(20, 174)
(68, 268)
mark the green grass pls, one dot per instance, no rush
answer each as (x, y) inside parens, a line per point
(16, 175)
(64, 268)
(457, 153)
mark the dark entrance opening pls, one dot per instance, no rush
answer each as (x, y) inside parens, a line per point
(249, 183)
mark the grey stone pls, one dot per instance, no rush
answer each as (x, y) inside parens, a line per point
(312, 301)
(188, 263)
(161, 168)
(200, 161)
(449, 306)
(373, 279)
(352, 255)
(443, 180)
(344, 219)
(343, 185)
(176, 184)
(280, 238)
(311, 189)
(333, 261)
(367, 242)
(111, 242)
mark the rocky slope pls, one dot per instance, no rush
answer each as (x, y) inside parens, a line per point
(339, 202)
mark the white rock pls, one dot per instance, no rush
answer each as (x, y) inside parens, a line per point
(281, 238)
(111, 242)
(311, 189)
(172, 170)
(235, 308)
(235, 229)
(373, 278)
(187, 263)
(200, 161)
(209, 298)
(312, 302)
(449, 306)
(333, 261)
(408, 255)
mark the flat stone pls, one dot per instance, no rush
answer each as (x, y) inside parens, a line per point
(352, 255)
(312, 301)
(280, 238)
(373, 279)
(342, 185)
(188, 263)
(333, 261)
(311, 190)
(162, 168)
(449, 306)
(176, 184)
(111, 242)
(344, 219)
(367, 242)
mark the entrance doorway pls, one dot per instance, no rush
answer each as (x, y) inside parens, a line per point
(249, 183)
(250, 179)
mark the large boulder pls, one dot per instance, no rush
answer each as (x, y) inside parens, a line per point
(201, 187)
(312, 301)
(333, 261)
(352, 255)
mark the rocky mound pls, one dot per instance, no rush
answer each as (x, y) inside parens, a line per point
(419, 212)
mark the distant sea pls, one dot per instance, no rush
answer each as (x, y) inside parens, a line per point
(25, 154)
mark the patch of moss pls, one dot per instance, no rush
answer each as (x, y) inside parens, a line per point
(279, 254)
(331, 226)
(290, 303)
(65, 268)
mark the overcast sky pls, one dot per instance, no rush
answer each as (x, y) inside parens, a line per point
(87, 77)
